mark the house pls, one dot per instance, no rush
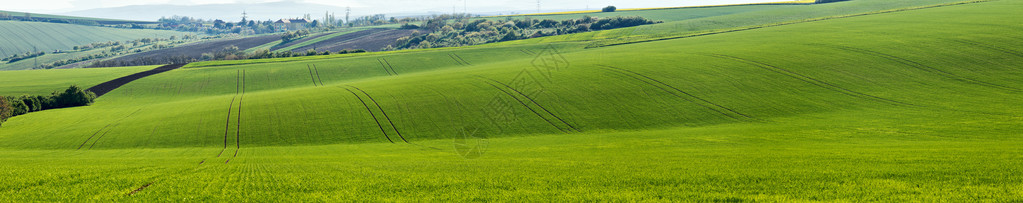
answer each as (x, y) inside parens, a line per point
(291, 24)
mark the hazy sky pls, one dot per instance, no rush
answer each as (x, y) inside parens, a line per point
(56, 6)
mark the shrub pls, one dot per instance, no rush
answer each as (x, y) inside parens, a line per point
(609, 9)
(5, 110)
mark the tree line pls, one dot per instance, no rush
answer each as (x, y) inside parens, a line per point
(442, 32)
(11, 106)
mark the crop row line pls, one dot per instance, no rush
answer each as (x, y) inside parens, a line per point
(459, 59)
(230, 108)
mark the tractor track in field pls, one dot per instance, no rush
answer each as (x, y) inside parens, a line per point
(140, 189)
(459, 59)
(810, 80)
(528, 52)
(488, 82)
(382, 112)
(387, 66)
(317, 71)
(531, 100)
(988, 46)
(720, 109)
(311, 75)
(108, 128)
(238, 126)
(920, 66)
(106, 87)
(227, 125)
(370, 114)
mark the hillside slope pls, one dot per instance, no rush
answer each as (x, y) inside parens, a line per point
(915, 105)
(19, 37)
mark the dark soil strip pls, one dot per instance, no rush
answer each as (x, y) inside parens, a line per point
(371, 114)
(922, 67)
(536, 103)
(318, 78)
(139, 189)
(455, 59)
(106, 87)
(383, 112)
(523, 103)
(382, 65)
(679, 90)
(389, 66)
(808, 79)
(311, 75)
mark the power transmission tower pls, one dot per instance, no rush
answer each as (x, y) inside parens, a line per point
(537, 6)
(348, 12)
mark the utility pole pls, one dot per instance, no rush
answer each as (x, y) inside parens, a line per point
(348, 13)
(537, 6)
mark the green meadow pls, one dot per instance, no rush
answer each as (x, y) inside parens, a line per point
(918, 104)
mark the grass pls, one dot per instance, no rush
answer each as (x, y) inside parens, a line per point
(19, 37)
(871, 112)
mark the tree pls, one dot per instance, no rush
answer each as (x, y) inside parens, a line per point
(609, 9)
(5, 110)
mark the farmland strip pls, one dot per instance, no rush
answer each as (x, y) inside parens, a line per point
(523, 104)
(535, 103)
(808, 79)
(318, 78)
(383, 112)
(633, 74)
(371, 114)
(920, 66)
(311, 74)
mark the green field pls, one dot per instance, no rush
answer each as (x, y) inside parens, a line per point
(18, 37)
(914, 105)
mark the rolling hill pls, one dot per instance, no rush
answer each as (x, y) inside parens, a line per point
(20, 37)
(922, 107)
